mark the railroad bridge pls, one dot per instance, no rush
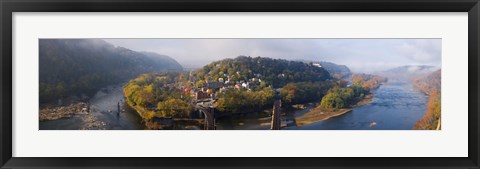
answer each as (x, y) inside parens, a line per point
(209, 112)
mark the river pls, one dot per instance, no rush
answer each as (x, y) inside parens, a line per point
(105, 114)
(395, 106)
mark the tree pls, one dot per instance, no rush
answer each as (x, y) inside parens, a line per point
(328, 101)
(277, 72)
(173, 108)
(159, 90)
(263, 85)
(234, 101)
(432, 117)
(288, 93)
(77, 67)
(304, 92)
(367, 81)
(200, 83)
(339, 97)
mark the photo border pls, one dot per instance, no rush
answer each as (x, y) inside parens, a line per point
(7, 8)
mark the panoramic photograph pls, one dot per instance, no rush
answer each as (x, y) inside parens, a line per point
(240, 84)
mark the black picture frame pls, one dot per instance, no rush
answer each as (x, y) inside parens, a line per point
(7, 7)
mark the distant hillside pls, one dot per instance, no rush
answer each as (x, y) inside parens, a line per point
(367, 81)
(164, 61)
(338, 71)
(71, 67)
(409, 72)
(335, 70)
(429, 83)
(275, 72)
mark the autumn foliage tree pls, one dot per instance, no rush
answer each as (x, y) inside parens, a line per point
(234, 101)
(431, 119)
(275, 72)
(174, 108)
(80, 67)
(341, 96)
(430, 85)
(159, 95)
(338, 97)
(304, 92)
(367, 81)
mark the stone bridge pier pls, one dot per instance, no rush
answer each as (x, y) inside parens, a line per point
(276, 116)
(209, 118)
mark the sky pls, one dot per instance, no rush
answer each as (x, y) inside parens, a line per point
(360, 55)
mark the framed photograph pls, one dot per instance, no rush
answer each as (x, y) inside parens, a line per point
(239, 84)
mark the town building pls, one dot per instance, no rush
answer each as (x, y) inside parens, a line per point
(214, 85)
(317, 64)
(199, 95)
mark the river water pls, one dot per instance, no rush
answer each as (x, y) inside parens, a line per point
(105, 113)
(260, 120)
(395, 106)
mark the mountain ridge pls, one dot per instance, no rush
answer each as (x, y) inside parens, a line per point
(82, 66)
(407, 72)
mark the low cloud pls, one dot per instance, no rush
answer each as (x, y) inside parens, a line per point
(422, 51)
(361, 55)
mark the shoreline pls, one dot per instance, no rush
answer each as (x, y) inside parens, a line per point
(97, 113)
(364, 101)
(317, 114)
(79, 110)
(140, 110)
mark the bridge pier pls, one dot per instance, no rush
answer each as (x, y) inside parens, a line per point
(209, 118)
(276, 116)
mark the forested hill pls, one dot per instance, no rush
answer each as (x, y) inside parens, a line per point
(338, 71)
(335, 70)
(275, 72)
(74, 67)
(163, 61)
(429, 83)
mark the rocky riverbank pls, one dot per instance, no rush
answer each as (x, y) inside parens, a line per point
(58, 112)
(105, 110)
(79, 110)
